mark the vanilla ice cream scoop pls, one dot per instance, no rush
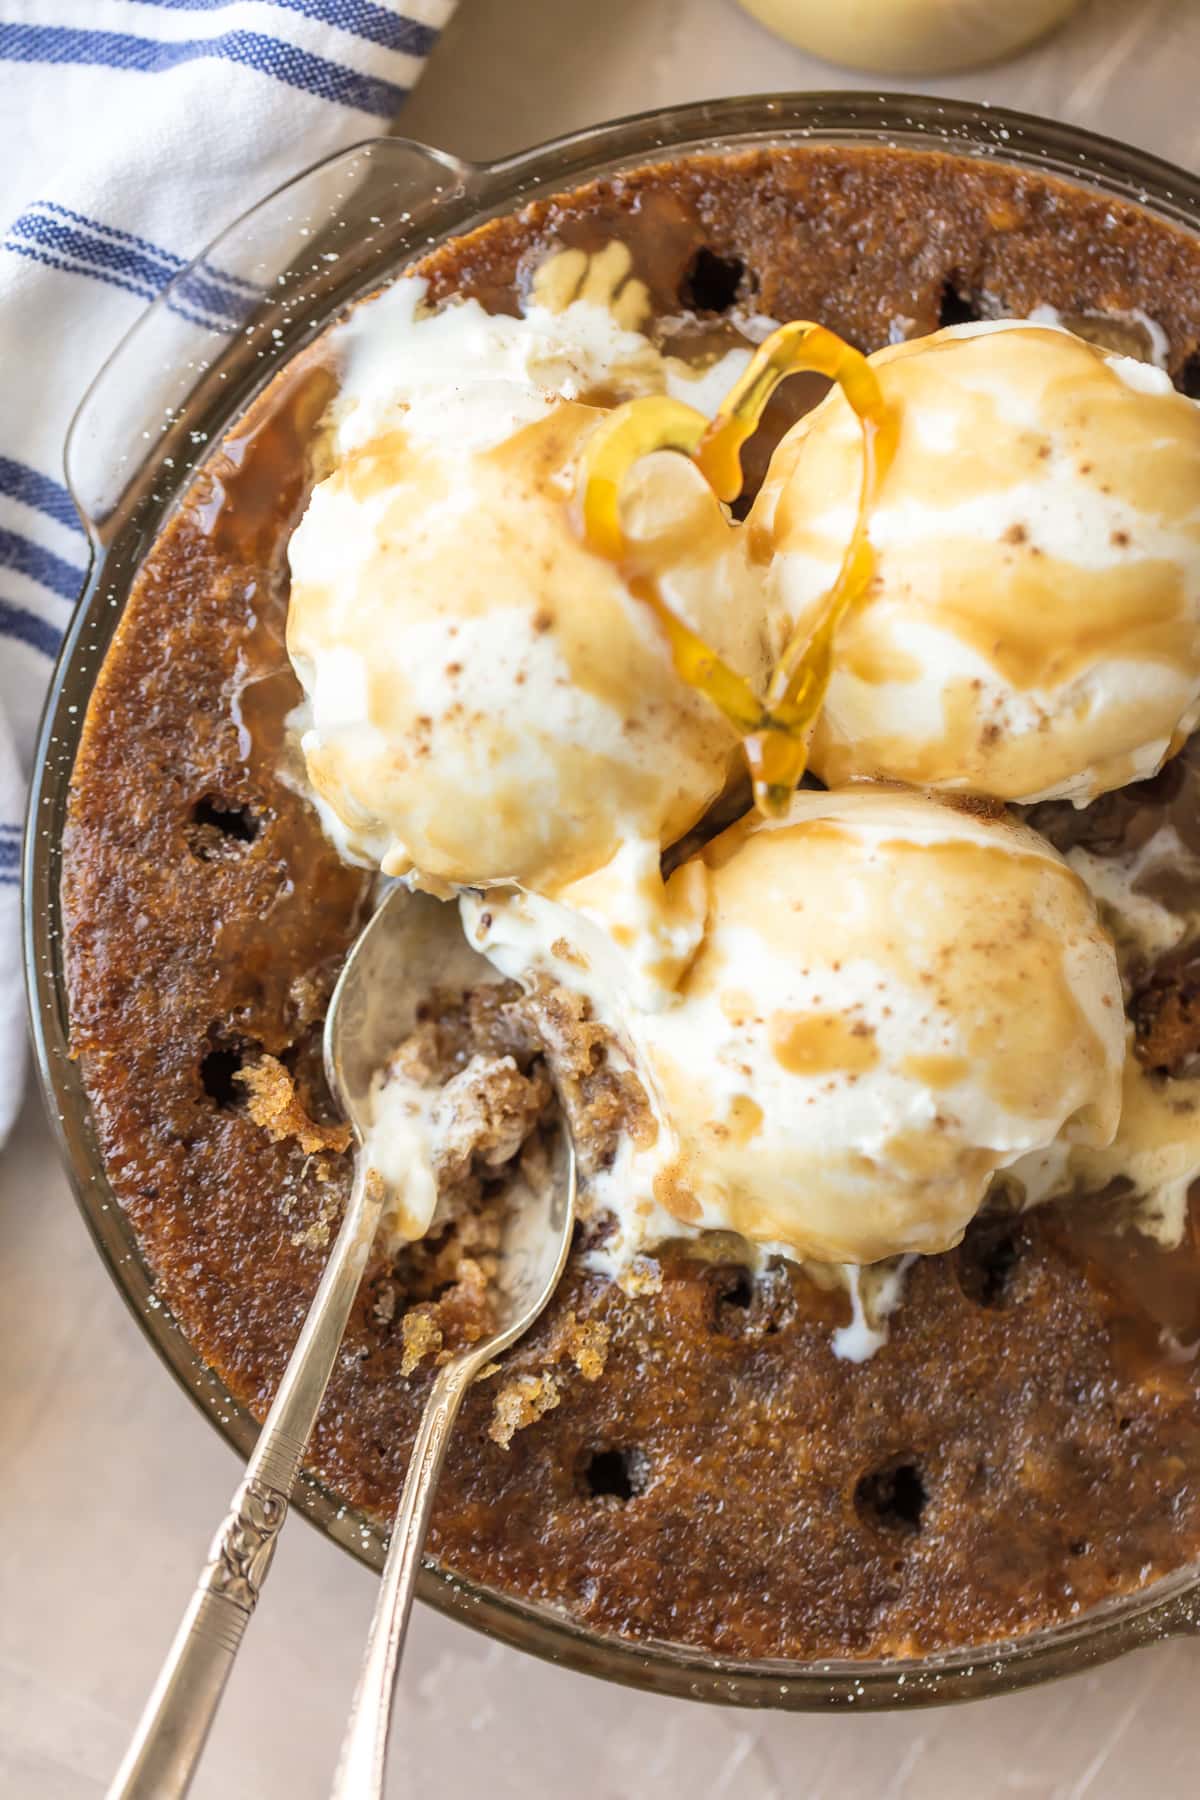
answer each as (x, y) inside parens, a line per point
(1033, 627)
(490, 701)
(892, 999)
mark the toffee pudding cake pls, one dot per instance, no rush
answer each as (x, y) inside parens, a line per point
(799, 1395)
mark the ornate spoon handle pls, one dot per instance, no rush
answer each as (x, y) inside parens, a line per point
(361, 1765)
(171, 1733)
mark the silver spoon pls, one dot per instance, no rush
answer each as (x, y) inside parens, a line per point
(532, 1254)
(411, 944)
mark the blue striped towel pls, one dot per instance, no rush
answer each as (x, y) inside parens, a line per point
(131, 131)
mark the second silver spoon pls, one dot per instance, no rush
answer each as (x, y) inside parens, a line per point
(533, 1252)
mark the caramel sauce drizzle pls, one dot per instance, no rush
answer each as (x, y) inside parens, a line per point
(775, 728)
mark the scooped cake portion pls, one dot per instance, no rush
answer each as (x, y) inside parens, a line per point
(812, 771)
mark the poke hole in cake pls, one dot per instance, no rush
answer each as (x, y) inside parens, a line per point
(706, 1468)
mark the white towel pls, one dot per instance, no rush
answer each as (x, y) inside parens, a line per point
(131, 131)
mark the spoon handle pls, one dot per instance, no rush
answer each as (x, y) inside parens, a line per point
(360, 1770)
(162, 1756)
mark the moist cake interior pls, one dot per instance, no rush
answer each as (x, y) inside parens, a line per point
(702, 1469)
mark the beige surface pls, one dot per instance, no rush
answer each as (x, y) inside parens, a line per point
(112, 1484)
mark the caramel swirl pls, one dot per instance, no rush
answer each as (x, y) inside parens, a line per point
(775, 728)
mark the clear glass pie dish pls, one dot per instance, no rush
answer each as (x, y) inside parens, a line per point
(175, 386)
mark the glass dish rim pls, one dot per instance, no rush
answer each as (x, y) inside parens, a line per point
(1168, 1607)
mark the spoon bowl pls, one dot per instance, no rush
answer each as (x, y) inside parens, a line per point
(411, 944)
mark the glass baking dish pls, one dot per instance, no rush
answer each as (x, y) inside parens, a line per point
(172, 388)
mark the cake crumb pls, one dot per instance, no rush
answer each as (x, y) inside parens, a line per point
(586, 1343)
(383, 1307)
(642, 1277)
(527, 1398)
(274, 1104)
(317, 1233)
(521, 1402)
(422, 1337)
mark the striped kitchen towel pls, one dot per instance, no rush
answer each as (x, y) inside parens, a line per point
(131, 131)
